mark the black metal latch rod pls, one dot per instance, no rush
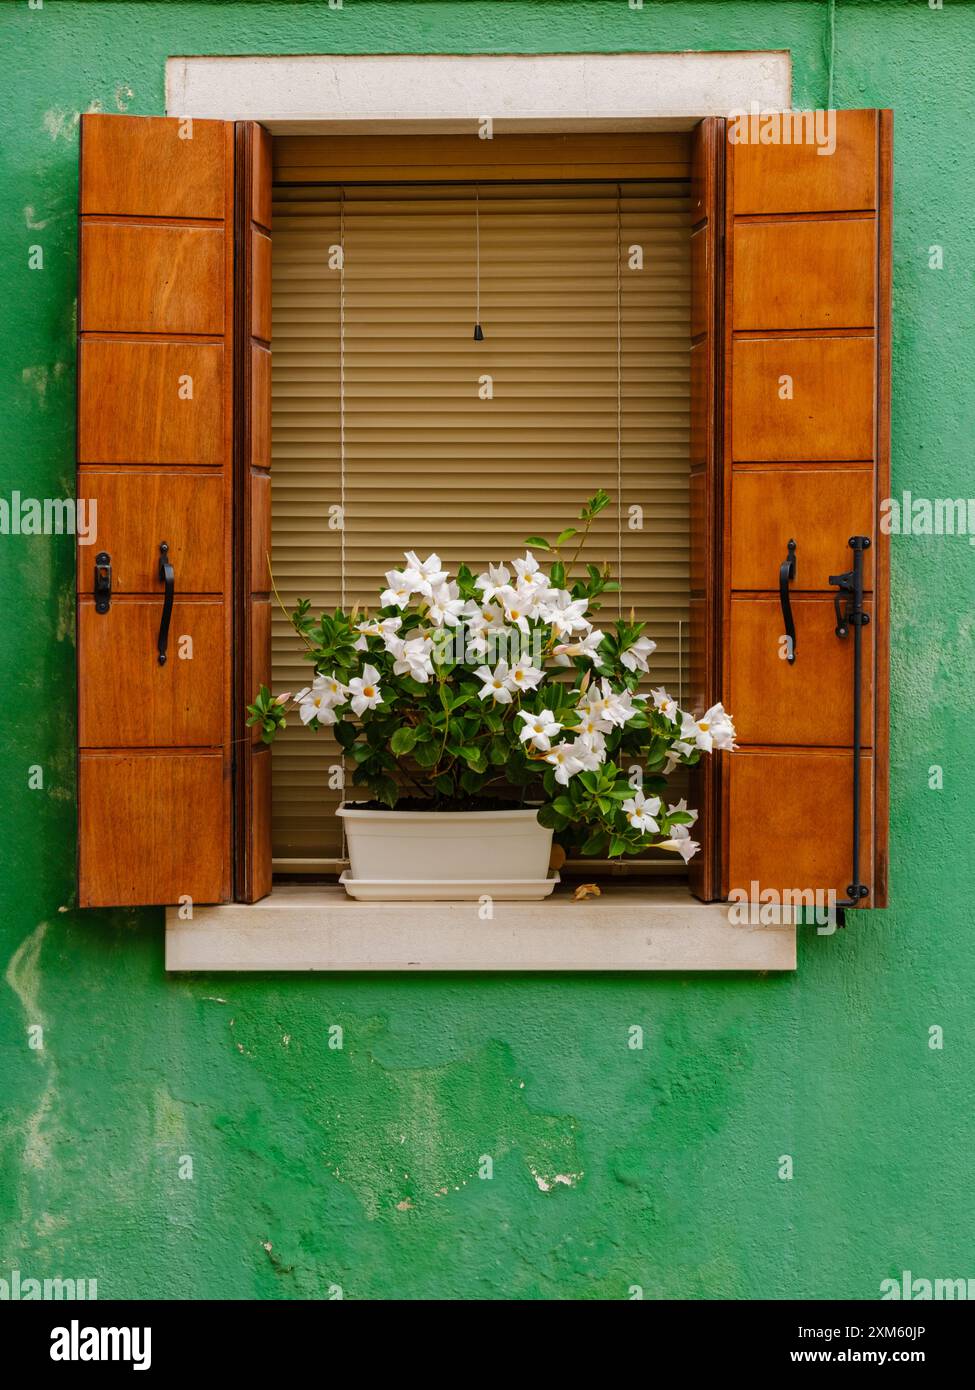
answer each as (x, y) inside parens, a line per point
(168, 576)
(850, 588)
(787, 571)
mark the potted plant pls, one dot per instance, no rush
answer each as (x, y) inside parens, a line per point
(484, 713)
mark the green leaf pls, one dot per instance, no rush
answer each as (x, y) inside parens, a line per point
(384, 789)
(617, 845)
(345, 734)
(427, 754)
(566, 535)
(596, 843)
(444, 784)
(537, 542)
(413, 687)
(516, 771)
(597, 503)
(621, 792)
(565, 806)
(403, 740)
(498, 752)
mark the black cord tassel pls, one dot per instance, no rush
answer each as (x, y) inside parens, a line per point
(478, 333)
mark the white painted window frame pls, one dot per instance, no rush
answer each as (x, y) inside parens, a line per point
(435, 93)
(316, 927)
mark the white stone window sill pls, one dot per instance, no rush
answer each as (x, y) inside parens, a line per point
(631, 927)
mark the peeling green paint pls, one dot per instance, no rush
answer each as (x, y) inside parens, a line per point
(317, 1169)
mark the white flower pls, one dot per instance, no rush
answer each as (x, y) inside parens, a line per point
(479, 619)
(497, 577)
(720, 727)
(588, 646)
(412, 657)
(523, 676)
(497, 683)
(376, 627)
(313, 703)
(591, 720)
(606, 708)
(445, 606)
(529, 575)
(666, 704)
(365, 690)
(332, 688)
(540, 728)
(318, 700)
(424, 575)
(677, 751)
(635, 657)
(399, 592)
(682, 806)
(590, 751)
(565, 762)
(589, 726)
(483, 616)
(566, 614)
(518, 606)
(640, 811)
(619, 708)
(713, 730)
(681, 843)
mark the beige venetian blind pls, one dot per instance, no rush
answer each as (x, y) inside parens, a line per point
(588, 358)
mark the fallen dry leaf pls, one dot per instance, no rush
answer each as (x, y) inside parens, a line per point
(586, 890)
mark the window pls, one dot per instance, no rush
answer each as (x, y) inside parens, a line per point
(386, 407)
(788, 434)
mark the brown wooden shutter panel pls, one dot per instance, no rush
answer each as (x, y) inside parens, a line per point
(252, 646)
(807, 286)
(155, 418)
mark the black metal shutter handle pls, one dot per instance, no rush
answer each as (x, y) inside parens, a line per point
(787, 571)
(168, 576)
(103, 582)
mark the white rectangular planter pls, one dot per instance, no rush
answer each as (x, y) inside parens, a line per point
(447, 847)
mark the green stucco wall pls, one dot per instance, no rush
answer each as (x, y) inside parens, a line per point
(315, 1167)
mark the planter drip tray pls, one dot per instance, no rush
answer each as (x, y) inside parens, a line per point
(457, 890)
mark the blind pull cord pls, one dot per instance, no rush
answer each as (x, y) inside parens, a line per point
(478, 330)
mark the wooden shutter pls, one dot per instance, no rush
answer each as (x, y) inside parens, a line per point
(807, 285)
(252, 538)
(155, 434)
